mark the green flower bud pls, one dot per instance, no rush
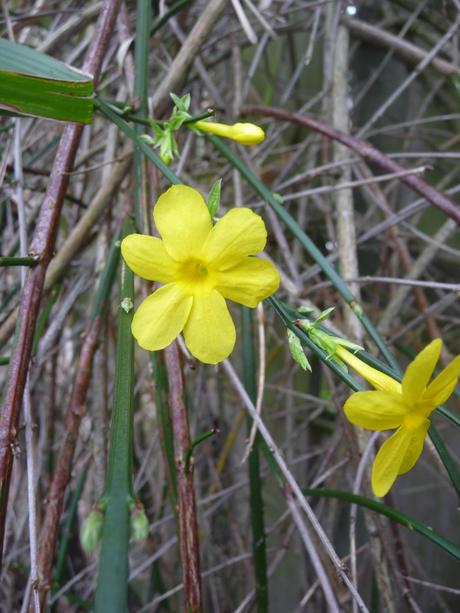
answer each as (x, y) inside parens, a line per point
(91, 531)
(139, 523)
(297, 352)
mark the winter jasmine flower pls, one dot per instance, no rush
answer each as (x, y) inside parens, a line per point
(200, 266)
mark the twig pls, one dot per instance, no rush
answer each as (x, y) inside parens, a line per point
(365, 150)
(188, 524)
(75, 412)
(293, 484)
(313, 554)
(42, 245)
(419, 266)
(188, 52)
(261, 378)
(401, 47)
(78, 236)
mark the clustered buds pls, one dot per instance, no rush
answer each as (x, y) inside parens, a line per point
(323, 339)
(163, 132)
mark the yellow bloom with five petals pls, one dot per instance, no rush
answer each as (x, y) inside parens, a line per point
(405, 406)
(200, 266)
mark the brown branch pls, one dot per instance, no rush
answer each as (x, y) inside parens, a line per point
(82, 232)
(188, 524)
(448, 206)
(406, 50)
(75, 411)
(42, 246)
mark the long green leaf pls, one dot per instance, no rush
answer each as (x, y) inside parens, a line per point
(383, 509)
(32, 83)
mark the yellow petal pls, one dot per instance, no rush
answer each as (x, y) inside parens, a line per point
(375, 410)
(239, 233)
(210, 332)
(249, 282)
(183, 221)
(147, 257)
(415, 447)
(388, 461)
(443, 385)
(161, 317)
(419, 371)
(378, 379)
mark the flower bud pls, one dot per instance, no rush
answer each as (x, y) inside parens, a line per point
(90, 533)
(244, 133)
(139, 523)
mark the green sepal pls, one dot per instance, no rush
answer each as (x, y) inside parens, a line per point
(213, 202)
(297, 352)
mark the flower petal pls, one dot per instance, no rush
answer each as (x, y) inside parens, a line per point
(210, 332)
(375, 410)
(415, 447)
(249, 282)
(388, 461)
(183, 221)
(161, 317)
(375, 377)
(419, 371)
(147, 257)
(239, 233)
(443, 385)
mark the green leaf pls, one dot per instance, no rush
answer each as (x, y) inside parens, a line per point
(32, 83)
(183, 103)
(213, 202)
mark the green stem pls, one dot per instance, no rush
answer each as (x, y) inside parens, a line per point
(112, 584)
(256, 503)
(166, 433)
(199, 439)
(141, 186)
(12, 261)
(172, 10)
(446, 458)
(138, 142)
(66, 532)
(383, 509)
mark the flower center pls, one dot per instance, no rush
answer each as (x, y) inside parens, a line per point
(413, 420)
(195, 276)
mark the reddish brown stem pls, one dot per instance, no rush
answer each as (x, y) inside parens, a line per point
(75, 411)
(42, 246)
(365, 150)
(188, 524)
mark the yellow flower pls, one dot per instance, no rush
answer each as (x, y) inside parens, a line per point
(244, 133)
(200, 265)
(406, 406)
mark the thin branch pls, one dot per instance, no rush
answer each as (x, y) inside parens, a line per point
(43, 245)
(448, 206)
(188, 523)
